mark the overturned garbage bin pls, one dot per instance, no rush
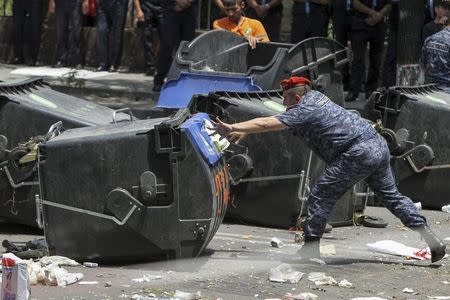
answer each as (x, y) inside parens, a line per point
(28, 109)
(149, 189)
(416, 123)
(271, 172)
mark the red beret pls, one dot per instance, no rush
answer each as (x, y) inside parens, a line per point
(294, 81)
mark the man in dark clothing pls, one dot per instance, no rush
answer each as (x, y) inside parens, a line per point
(111, 15)
(179, 22)
(367, 28)
(309, 19)
(390, 62)
(269, 13)
(352, 150)
(146, 12)
(442, 13)
(34, 9)
(69, 11)
(342, 15)
(429, 11)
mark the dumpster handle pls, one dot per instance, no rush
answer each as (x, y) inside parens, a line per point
(17, 185)
(54, 130)
(125, 109)
(41, 202)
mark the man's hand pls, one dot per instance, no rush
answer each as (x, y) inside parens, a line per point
(261, 11)
(85, 7)
(181, 5)
(140, 17)
(253, 40)
(51, 6)
(222, 128)
(237, 137)
(374, 19)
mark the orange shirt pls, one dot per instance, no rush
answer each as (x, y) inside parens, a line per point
(247, 27)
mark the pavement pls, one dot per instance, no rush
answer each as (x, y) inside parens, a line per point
(237, 262)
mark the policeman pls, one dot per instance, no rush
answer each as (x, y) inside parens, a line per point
(34, 9)
(390, 62)
(367, 28)
(269, 12)
(309, 18)
(179, 22)
(435, 58)
(146, 12)
(69, 11)
(442, 13)
(111, 15)
(353, 151)
(342, 15)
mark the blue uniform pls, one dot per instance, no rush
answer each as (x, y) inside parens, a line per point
(435, 59)
(353, 152)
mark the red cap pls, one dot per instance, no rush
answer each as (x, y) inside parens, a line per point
(294, 81)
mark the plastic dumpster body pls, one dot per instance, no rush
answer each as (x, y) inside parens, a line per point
(131, 191)
(28, 109)
(275, 189)
(417, 122)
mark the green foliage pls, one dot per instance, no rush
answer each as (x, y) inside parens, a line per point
(6, 8)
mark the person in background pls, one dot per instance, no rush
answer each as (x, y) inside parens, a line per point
(442, 13)
(342, 15)
(236, 22)
(390, 62)
(269, 13)
(34, 9)
(179, 23)
(69, 11)
(435, 58)
(146, 11)
(352, 150)
(309, 19)
(111, 15)
(429, 11)
(367, 28)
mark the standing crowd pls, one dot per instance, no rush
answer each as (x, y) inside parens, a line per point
(356, 24)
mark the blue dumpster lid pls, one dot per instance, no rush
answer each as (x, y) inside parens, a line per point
(200, 138)
(177, 93)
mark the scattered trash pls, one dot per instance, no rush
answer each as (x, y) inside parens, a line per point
(48, 271)
(408, 290)
(327, 250)
(90, 264)
(58, 260)
(446, 208)
(298, 238)
(277, 243)
(445, 282)
(108, 284)
(246, 237)
(395, 248)
(320, 278)
(302, 296)
(345, 283)
(418, 205)
(15, 280)
(438, 297)
(147, 278)
(187, 296)
(317, 260)
(55, 275)
(88, 282)
(285, 273)
(368, 298)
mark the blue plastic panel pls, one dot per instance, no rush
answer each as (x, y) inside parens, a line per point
(200, 138)
(178, 93)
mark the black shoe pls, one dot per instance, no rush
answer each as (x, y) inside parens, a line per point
(113, 69)
(101, 69)
(436, 245)
(60, 64)
(310, 249)
(17, 61)
(157, 87)
(150, 71)
(351, 97)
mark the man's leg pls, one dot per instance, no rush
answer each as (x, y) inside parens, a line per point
(342, 29)
(272, 24)
(77, 32)
(102, 36)
(376, 42)
(148, 8)
(118, 15)
(36, 29)
(359, 45)
(298, 26)
(62, 36)
(383, 184)
(19, 21)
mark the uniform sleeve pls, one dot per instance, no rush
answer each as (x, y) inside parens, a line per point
(292, 118)
(259, 31)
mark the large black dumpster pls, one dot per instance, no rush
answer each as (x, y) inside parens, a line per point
(417, 122)
(280, 168)
(147, 189)
(28, 109)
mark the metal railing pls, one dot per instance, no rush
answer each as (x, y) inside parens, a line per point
(6, 8)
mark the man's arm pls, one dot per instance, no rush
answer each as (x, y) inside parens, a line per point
(85, 7)
(256, 125)
(139, 14)
(51, 6)
(219, 4)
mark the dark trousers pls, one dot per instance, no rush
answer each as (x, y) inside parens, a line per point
(306, 26)
(151, 12)
(342, 25)
(271, 23)
(390, 62)
(69, 12)
(361, 36)
(20, 10)
(111, 15)
(178, 26)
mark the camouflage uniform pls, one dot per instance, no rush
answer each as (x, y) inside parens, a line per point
(435, 59)
(353, 151)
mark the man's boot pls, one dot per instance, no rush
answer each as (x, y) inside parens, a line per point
(310, 249)
(436, 245)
